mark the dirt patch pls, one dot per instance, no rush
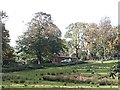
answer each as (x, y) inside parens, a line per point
(73, 78)
(77, 77)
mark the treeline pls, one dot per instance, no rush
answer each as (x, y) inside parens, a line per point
(94, 41)
(42, 40)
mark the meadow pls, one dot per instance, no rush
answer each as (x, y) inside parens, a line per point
(81, 74)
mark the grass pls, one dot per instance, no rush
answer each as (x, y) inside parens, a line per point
(32, 76)
(57, 86)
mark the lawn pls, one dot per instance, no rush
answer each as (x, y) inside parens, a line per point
(88, 74)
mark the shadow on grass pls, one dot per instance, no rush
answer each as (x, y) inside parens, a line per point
(41, 66)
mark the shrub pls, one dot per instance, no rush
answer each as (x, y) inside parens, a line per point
(57, 73)
(3, 87)
(92, 72)
(16, 81)
(41, 74)
(8, 78)
(88, 70)
(18, 77)
(69, 73)
(22, 81)
(65, 84)
(88, 81)
(26, 78)
(74, 71)
(104, 82)
(48, 73)
(98, 85)
(53, 73)
(40, 78)
(34, 82)
(25, 85)
(61, 72)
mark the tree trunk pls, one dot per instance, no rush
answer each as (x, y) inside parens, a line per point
(39, 56)
(104, 57)
(0, 45)
(77, 53)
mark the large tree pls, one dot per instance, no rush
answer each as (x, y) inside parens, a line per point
(75, 33)
(42, 39)
(104, 29)
(91, 38)
(7, 50)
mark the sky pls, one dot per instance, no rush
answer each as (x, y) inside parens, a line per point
(63, 12)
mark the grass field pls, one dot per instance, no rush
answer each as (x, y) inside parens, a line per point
(89, 74)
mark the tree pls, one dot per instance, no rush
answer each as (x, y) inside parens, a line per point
(7, 50)
(116, 42)
(91, 38)
(3, 16)
(104, 28)
(76, 35)
(42, 39)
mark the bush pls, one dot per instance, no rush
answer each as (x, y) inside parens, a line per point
(26, 78)
(88, 70)
(41, 74)
(40, 78)
(98, 85)
(48, 73)
(74, 71)
(16, 81)
(3, 87)
(92, 72)
(22, 81)
(61, 72)
(25, 85)
(65, 84)
(34, 82)
(53, 73)
(88, 81)
(104, 82)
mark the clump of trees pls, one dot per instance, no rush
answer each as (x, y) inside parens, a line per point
(42, 40)
(94, 41)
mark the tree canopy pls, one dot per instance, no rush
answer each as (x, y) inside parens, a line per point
(7, 50)
(42, 39)
(95, 40)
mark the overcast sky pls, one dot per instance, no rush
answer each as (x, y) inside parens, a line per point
(63, 12)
